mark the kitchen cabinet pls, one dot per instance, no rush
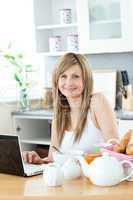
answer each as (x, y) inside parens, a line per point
(33, 127)
(102, 25)
(105, 26)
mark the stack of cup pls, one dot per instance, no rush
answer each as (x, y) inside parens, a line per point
(65, 16)
(55, 43)
(72, 42)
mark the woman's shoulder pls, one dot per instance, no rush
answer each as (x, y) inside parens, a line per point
(97, 98)
(98, 101)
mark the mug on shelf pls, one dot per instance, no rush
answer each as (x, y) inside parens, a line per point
(55, 43)
(65, 16)
(72, 42)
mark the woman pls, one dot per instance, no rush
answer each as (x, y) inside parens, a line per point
(81, 118)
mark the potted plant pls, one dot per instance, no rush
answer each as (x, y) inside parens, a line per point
(20, 75)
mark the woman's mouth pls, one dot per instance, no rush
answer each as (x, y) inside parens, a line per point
(70, 89)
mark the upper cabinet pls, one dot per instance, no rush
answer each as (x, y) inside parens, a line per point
(87, 26)
(105, 25)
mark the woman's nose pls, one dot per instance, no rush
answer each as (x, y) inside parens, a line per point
(69, 81)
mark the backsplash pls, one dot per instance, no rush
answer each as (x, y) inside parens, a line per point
(118, 61)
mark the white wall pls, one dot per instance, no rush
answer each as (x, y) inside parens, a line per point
(6, 122)
(16, 24)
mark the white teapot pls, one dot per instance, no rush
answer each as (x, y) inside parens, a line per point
(105, 170)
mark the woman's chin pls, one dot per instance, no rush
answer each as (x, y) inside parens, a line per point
(73, 96)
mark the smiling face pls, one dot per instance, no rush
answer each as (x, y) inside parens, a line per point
(70, 82)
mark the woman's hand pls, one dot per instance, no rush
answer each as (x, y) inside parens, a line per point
(32, 157)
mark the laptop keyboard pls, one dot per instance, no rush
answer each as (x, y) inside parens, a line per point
(33, 168)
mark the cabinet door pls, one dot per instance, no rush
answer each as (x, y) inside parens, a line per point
(33, 131)
(124, 126)
(105, 25)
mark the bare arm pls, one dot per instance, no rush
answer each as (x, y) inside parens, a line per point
(52, 143)
(104, 116)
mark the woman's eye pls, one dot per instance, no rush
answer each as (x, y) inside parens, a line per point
(76, 76)
(63, 76)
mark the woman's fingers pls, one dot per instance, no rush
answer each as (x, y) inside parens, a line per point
(35, 158)
(31, 157)
(25, 156)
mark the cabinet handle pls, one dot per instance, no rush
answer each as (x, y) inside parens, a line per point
(18, 129)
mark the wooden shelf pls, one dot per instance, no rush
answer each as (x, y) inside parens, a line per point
(58, 53)
(119, 48)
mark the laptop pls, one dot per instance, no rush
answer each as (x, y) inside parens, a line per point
(11, 160)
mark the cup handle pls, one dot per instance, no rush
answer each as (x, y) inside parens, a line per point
(131, 172)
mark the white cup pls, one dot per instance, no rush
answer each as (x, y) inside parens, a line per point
(65, 16)
(55, 43)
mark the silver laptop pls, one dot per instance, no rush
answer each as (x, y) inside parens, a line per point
(11, 161)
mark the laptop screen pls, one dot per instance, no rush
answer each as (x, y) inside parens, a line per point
(10, 155)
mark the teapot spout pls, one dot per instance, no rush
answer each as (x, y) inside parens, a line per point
(84, 165)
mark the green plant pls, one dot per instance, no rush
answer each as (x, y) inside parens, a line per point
(20, 72)
(20, 69)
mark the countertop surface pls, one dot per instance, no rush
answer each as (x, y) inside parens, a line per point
(41, 113)
(20, 188)
(38, 114)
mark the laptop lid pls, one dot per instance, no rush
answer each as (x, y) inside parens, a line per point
(10, 155)
(11, 161)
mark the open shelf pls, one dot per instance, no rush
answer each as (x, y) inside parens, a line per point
(56, 26)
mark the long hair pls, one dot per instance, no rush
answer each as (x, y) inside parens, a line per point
(62, 117)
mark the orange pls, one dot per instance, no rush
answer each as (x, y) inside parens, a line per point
(90, 157)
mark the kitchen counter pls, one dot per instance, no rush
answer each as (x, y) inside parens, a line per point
(125, 115)
(20, 188)
(34, 114)
(48, 114)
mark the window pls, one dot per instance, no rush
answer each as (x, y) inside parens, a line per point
(16, 26)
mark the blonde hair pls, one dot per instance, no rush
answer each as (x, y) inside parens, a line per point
(62, 117)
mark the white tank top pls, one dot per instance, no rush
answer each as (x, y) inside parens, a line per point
(90, 137)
